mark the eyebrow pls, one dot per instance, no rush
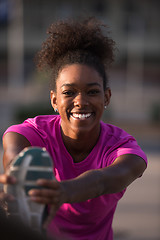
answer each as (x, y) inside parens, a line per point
(88, 84)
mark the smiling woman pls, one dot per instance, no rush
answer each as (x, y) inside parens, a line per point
(80, 99)
(94, 162)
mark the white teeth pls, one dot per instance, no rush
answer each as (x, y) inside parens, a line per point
(81, 116)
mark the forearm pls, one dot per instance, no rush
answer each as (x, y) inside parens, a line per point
(13, 143)
(95, 183)
(108, 180)
(90, 184)
(84, 187)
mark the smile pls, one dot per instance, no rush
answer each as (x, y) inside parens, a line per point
(81, 116)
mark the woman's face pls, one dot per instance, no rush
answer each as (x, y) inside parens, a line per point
(80, 99)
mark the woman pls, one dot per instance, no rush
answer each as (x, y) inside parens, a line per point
(94, 162)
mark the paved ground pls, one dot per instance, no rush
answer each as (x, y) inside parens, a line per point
(138, 213)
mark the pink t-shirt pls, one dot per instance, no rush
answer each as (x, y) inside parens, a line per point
(92, 219)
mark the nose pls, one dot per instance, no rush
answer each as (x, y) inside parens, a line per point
(80, 100)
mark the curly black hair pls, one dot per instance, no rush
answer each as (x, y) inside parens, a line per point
(75, 41)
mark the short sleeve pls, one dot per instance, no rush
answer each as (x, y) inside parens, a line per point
(33, 135)
(130, 146)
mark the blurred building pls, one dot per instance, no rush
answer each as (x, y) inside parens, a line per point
(134, 78)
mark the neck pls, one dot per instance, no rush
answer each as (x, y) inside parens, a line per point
(80, 145)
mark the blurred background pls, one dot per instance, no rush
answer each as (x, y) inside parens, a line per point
(134, 80)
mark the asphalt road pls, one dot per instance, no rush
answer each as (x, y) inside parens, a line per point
(138, 213)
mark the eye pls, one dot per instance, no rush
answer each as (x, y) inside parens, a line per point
(68, 93)
(93, 91)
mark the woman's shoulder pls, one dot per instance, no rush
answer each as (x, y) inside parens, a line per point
(36, 129)
(114, 131)
(42, 121)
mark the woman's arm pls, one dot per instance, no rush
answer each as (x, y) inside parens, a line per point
(93, 183)
(90, 184)
(13, 143)
(112, 179)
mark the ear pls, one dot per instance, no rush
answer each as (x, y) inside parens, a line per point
(107, 94)
(53, 99)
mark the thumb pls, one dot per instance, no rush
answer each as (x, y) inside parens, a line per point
(4, 179)
(51, 215)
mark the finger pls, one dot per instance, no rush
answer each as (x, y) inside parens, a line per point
(51, 215)
(48, 183)
(44, 200)
(48, 193)
(6, 197)
(4, 179)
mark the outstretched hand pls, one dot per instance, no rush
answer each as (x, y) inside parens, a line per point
(4, 197)
(5, 179)
(51, 193)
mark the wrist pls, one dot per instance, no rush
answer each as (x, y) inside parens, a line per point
(86, 186)
(66, 191)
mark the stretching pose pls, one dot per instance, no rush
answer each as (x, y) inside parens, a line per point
(94, 162)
